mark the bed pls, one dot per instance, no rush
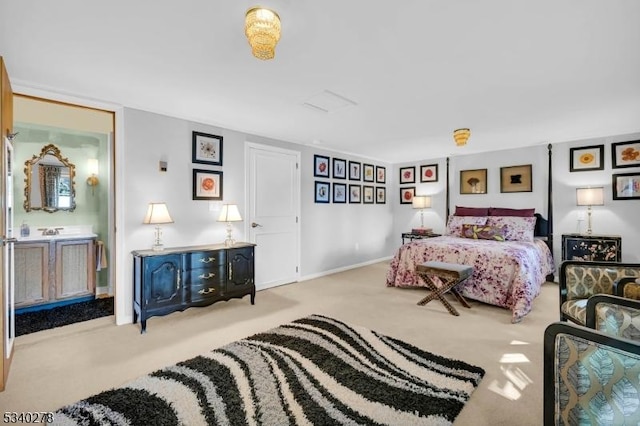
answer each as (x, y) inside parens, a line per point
(509, 249)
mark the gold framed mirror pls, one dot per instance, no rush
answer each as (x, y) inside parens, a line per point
(49, 182)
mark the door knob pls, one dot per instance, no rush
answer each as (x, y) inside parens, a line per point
(255, 225)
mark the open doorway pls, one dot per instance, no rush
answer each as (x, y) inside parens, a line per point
(63, 156)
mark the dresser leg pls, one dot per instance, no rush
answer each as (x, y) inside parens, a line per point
(135, 316)
(143, 329)
(253, 296)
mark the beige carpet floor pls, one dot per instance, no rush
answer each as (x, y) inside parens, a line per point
(56, 367)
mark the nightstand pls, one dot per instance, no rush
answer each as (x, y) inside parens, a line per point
(606, 248)
(411, 236)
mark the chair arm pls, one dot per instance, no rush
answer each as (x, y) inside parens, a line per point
(581, 279)
(593, 301)
(628, 287)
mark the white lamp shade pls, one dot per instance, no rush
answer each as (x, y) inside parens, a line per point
(157, 213)
(590, 196)
(421, 202)
(92, 165)
(229, 213)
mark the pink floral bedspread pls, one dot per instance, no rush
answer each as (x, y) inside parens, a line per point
(508, 274)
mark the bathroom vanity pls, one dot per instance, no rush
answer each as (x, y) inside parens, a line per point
(52, 268)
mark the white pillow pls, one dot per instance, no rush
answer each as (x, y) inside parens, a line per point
(454, 225)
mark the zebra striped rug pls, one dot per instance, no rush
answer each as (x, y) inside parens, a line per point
(315, 370)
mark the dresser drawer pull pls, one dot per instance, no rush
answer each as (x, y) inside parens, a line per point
(206, 291)
(207, 276)
(208, 260)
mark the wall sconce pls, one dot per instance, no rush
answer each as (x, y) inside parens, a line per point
(589, 197)
(229, 213)
(93, 168)
(421, 202)
(157, 214)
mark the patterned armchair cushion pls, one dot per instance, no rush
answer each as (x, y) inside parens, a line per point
(582, 280)
(618, 320)
(595, 383)
(632, 290)
(576, 309)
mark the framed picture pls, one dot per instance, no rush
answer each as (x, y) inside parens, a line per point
(381, 195)
(206, 149)
(626, 186)
(207, 184)
(339, 168)
(429, 173)
(473, 181)
(339, 193)
(381, 174)
(406, 195)
(368, 171)
(321, 192)
(516, 179)
(367, 196)
(407, 175)
(586, 158)
(354, 194)
(625, 154)
(320, 166)
(354, 170)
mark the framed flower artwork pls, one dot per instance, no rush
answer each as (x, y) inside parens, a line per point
(625, 154)
(354, 170)
(354, 194)
(339, 193)
(429, 173)
(207, 184)
(407, 175)
(368, 171)
(206, 149)
(626, 186)
(320, 166)
(367, 194)
(586, 158)
(381, 174)
(339, 168)
(381, 195)
(406, 195)
(322, 192)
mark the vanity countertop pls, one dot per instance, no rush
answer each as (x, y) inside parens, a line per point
(38, 238)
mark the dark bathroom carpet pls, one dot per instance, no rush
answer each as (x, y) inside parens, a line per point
(30, 322)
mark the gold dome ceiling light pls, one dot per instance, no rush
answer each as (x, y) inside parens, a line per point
(262, 28)
(461, 136)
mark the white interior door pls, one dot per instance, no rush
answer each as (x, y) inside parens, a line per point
(273, 179)
(9, 276)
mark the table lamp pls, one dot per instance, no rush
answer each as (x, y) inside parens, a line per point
(421, 202)
(157, 214)
(589, 197)
(229, 213)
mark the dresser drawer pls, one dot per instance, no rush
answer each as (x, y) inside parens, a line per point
(205, 259)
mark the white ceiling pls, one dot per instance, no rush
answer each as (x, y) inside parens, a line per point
(517, 72)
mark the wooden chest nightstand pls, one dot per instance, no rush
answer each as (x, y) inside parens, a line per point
(607, 248)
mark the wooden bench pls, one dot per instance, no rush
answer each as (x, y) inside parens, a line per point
(448, 275)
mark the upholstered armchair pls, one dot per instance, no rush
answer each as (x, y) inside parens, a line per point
(590, 377)
(614, 315)
(579, 280)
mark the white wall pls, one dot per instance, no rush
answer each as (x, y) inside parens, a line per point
(616, 217)
(329, 232)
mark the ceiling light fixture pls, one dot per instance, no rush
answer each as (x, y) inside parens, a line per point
(461, 136)
(262, 28)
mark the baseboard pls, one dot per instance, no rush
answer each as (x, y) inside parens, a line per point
(344, 268)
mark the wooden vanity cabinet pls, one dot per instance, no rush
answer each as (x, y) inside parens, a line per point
(53, 270)
(178, 278)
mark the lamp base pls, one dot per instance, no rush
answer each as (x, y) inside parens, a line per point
(229, 242)
(157, 247)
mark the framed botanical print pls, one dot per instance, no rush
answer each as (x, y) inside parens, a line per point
(625, 154)
(354, 194)
(320, 166)
(367, 194)
(626, 186)
(339, 168)
(339, 193)
(429, 173)
(321, 192)
(381, 174)
(381, 195)
(473, 181)
(368, 171)
(407, 175)
(586, 158)
(516, 179)
(207, 184)
(406, 195)
(206, 149)
(354, 170)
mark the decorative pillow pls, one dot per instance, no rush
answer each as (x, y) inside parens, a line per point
(515, 228)
(454, 225)
(496, 211)
(472, 211)
(483, 232)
